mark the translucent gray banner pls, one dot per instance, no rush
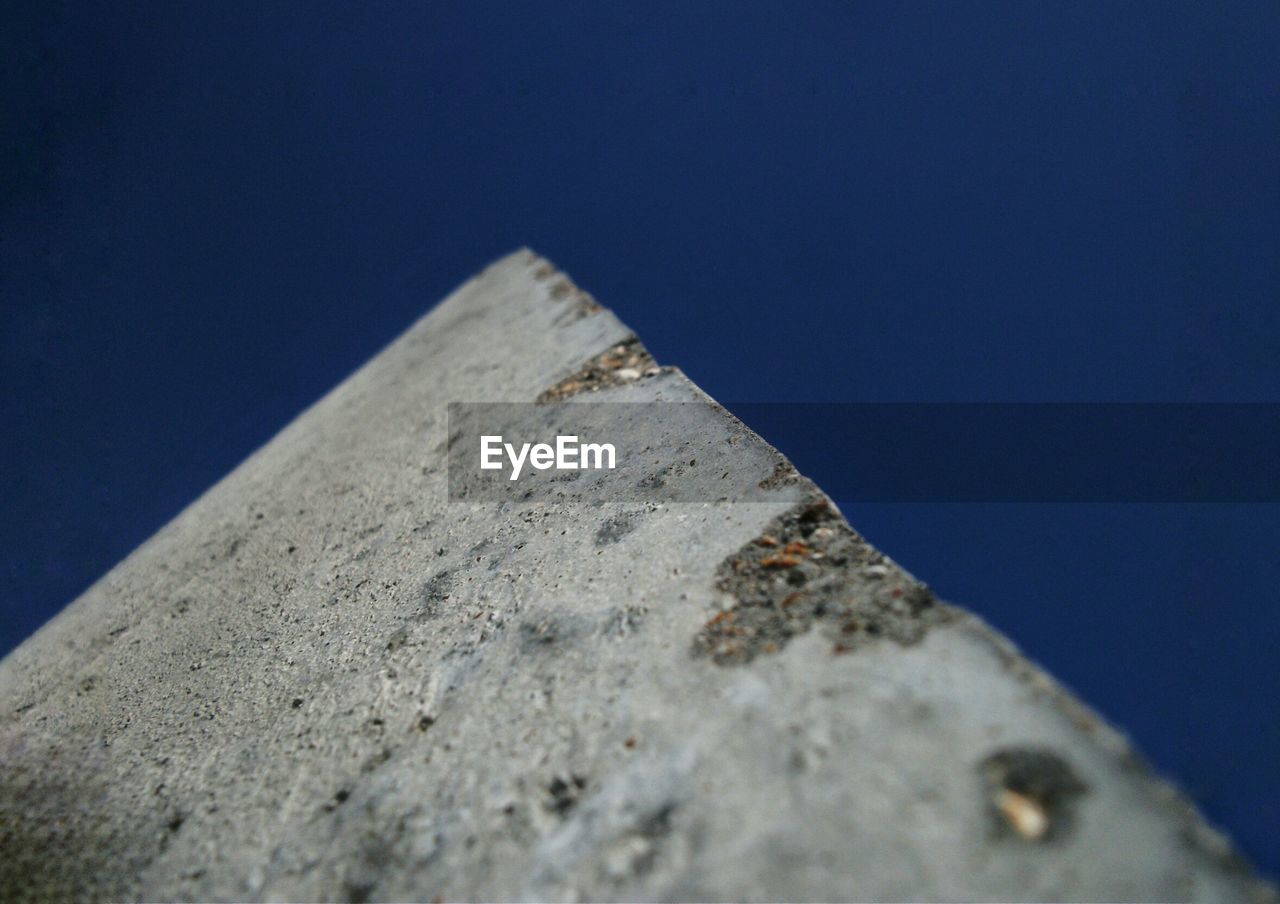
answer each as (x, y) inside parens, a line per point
(697, 452)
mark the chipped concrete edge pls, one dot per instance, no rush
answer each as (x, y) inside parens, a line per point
(633, 356)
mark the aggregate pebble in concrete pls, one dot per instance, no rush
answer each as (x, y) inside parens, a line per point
(325, 681)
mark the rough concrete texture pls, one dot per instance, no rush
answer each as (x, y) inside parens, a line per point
(324, 681)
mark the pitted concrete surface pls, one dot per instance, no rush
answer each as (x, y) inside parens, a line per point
(325, 681)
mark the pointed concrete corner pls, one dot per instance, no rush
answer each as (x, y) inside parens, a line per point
(326, 681)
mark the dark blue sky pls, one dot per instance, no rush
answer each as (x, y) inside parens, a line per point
(212, 213)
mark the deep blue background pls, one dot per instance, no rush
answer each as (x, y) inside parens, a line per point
(211, 215)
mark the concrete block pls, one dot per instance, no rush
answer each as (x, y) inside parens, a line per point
(326, 681)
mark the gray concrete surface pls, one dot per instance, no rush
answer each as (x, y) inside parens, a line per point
(325, 681)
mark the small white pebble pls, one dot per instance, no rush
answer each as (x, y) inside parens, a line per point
(1025, 815)
(628, 374)
(875, 571)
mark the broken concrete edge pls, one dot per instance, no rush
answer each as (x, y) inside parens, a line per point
(808, 570)
(598, 373)
(627, 362)
(1030, 778)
